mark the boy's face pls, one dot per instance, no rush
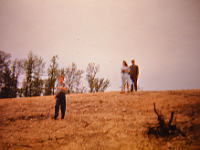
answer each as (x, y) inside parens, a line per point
(60, 80)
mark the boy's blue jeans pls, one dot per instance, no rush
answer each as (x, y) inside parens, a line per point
(61, 100)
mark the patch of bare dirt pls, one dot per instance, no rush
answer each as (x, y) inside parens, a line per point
(110, 120)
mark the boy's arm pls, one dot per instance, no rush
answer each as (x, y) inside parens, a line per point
(63, 88)
(56, 94)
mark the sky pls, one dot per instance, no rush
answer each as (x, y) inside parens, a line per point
(163, 36)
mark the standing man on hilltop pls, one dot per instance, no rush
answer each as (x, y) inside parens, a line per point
(134, 74)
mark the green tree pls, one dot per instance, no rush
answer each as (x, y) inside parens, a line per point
(5, 75)
(6, 91)
(53, 73)
(17, 70)
(29, 67)
(33, 67)
(24, 88)
(92, 70)
(20, 92)
(47, 90)
(101, 85)
(4, 62)
(61, 71)
(95, 84)
(37, 80)
(37, 86)
(73, 78)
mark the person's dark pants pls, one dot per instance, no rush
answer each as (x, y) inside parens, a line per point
(135, 84)
(61, 100)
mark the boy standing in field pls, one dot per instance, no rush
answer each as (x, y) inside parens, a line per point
(60, 98)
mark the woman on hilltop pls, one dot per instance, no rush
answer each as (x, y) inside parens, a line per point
(125, 70)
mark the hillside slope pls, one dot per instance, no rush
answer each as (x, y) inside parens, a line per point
(110, 120)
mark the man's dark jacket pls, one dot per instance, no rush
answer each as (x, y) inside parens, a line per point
(134, 71)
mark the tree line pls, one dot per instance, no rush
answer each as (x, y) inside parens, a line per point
(33, 67)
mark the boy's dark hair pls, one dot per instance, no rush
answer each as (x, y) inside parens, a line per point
(61, 76)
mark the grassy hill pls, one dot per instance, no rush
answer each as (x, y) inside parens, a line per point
(110, 121)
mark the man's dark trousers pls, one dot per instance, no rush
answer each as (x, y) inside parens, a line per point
(134, 84)
(61, 100)
(134, 72)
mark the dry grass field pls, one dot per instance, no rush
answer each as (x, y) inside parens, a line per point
(100, 121)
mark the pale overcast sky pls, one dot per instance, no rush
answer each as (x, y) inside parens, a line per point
(163, 36)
